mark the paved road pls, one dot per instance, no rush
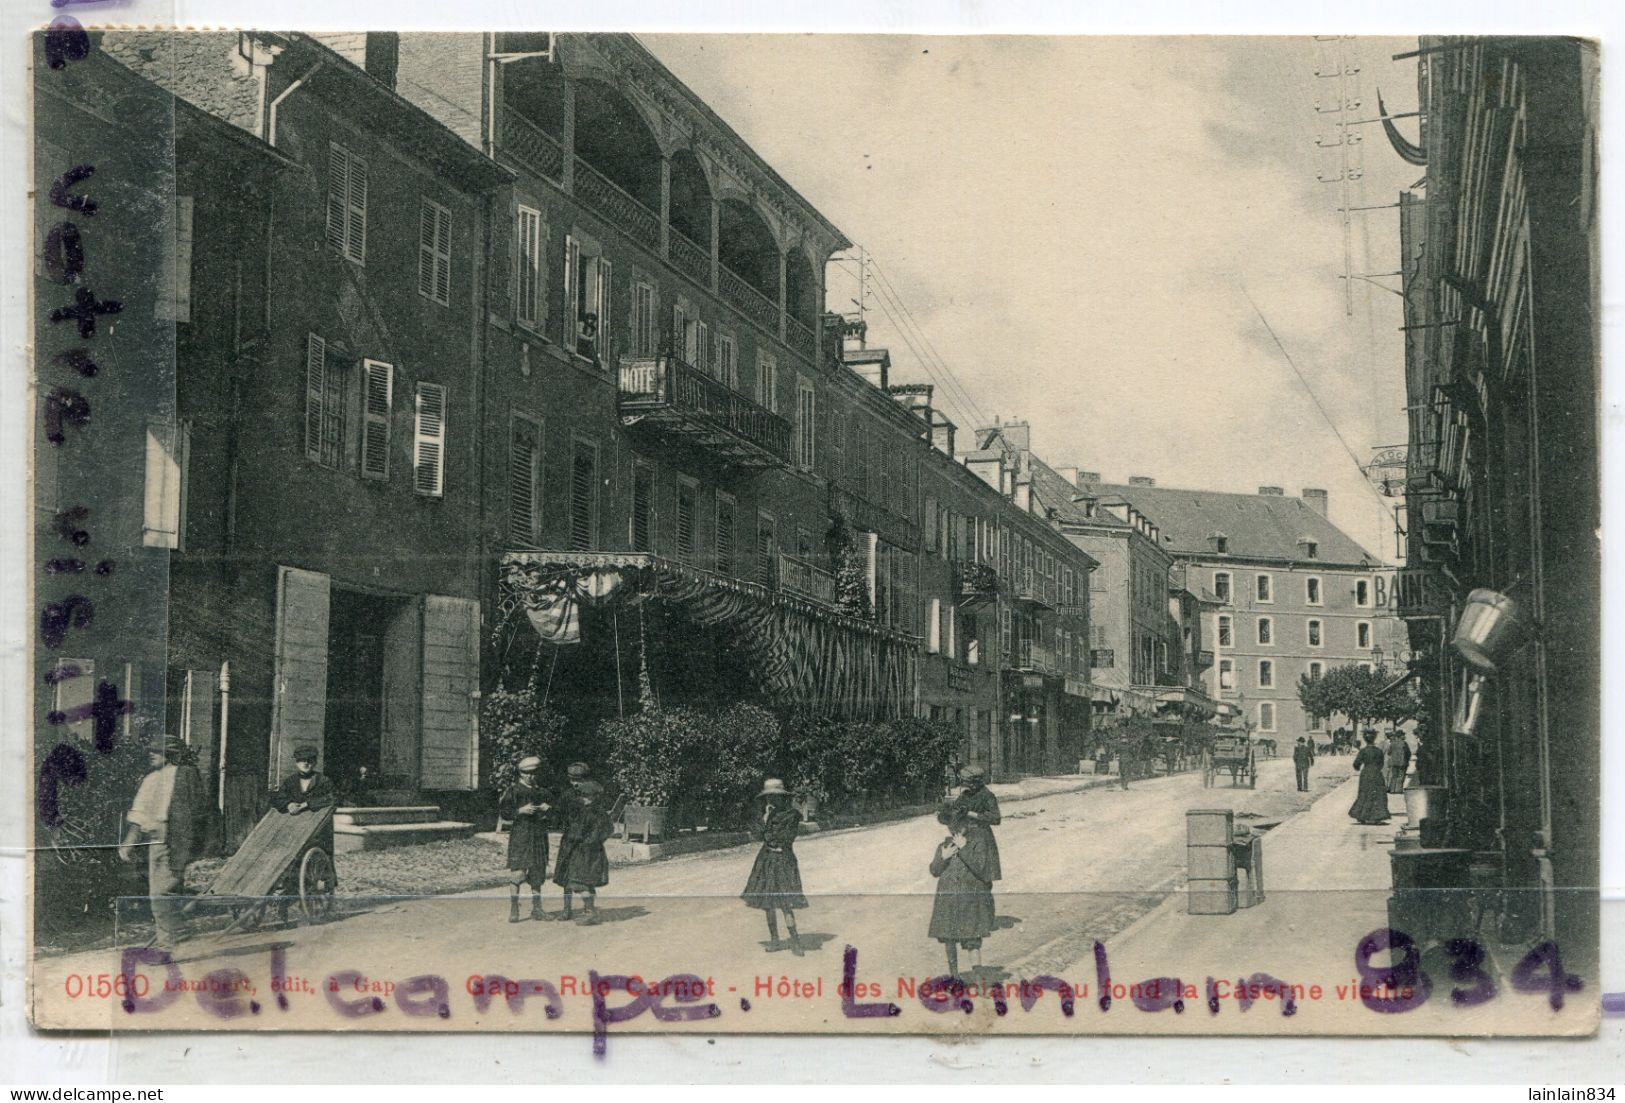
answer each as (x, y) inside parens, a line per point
(1077, 867)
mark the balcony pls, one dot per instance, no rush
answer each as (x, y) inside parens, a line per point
(691, 258)
(976, 583)
(799, 577)
(1030, 655)
(799, 337)
(1202, 659)
(675, 398)
(1033, 588)
(625, 213)
(749, 301)
(529, 144)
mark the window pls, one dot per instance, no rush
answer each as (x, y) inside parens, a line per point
(643, 507)
(1311, 722)
(1266, 716)
(1311, 550)
(767, 383)
(1314, 633)
(700, 357)
(806, 424)
(1227, 674)
(378, 383)
(583, 497)
(1311, 590)
(324, 404)
(169, 447)
(1315, 671)
(643, 319)
(1264, 589)
(933, 626)
(587, 285)
(1226, 637)
(728, 362)
(1221, 544)
(347, 203)
(1266, 631)
(1362, 635)
(1266, 674)
(434, 252)
(174, 300)
(688, 518)
(1362, 592)
(524, 480)
(726, 509)
(429, 441)
(767, 549)
(973, 640)
(527, 281)
(1221, 585)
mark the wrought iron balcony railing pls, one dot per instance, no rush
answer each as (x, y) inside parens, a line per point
(691, 258)
(675, 397)
(536, 148)
(625, 212)
(750, 302)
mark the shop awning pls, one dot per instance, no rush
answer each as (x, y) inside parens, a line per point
(802, 651)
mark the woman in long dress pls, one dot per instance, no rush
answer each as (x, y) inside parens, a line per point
(774, 883)
(1371, 803)
(964, 865)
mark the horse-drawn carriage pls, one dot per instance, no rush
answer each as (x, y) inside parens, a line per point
(1235, 753)
(287, 858)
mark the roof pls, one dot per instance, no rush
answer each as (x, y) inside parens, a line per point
(1256, 526)
(1054, 492)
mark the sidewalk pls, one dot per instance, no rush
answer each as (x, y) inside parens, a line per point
(1326, 882)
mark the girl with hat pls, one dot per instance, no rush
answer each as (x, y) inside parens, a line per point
(525, 804)
(775, 879)
(583, 864)
(964, 865)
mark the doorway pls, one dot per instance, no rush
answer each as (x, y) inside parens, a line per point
(372, 667)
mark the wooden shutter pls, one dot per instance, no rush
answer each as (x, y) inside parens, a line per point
(572, 262)
(643, 493)
(355, 237)
(429, 441)
(315, 395)
(434, 252)
(378, 388)
(451, 680)
(583, 498)
(725, 534)
(299, 710)
(524, 480)
(606, 284)
(687, 508)
(338, 188)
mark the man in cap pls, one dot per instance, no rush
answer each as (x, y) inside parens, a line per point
(1302, 756)
(583, 865)
(304, 790)
(164, 820)
(525, 805)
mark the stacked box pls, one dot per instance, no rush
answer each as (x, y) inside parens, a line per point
(1210, 865)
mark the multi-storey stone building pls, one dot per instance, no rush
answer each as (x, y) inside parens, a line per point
(1289, 593)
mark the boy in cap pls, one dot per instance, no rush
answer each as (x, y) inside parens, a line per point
(524, 804)
(583, 865)
(164, 820)
(304, 790)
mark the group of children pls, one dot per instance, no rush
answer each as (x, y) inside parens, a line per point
(583, 864)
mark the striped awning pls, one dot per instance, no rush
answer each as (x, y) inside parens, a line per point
(803, 652)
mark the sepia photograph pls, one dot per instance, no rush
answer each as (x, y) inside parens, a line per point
(736, 534)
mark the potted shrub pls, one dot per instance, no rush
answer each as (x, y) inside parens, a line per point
(646, 755)
(513, 724)
(735, 750)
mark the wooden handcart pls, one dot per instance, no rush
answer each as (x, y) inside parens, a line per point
(1236, 754)
(292, 853)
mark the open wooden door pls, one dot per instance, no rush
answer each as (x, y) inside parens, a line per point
(299, 712)
(451, 683)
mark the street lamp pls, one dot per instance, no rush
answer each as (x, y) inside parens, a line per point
(1376, 656)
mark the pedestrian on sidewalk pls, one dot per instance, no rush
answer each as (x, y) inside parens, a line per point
(525, 805)
(1302, 756)
(1371, 802)
(583, 865)
(774, 883)
(1398, 758)
(981, 809)
(965, 867)
(165, 821)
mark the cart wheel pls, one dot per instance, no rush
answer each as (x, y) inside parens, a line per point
(317, 883)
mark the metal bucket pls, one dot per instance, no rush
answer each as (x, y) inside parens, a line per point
(1488, 628)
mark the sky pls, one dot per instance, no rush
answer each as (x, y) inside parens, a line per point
(1078, 230)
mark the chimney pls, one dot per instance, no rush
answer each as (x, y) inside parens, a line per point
(1271, 492)
(1069, 473)
(1085, 478)
(942, 433)
(1141, 480)
(383, 56)
(1019, 435)
(1317, 500)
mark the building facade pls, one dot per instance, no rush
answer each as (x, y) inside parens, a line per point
(1502, 487)
(1288, 592)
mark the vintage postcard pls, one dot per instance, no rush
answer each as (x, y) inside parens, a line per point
(595, 532)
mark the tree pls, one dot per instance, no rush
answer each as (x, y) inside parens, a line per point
(1357, 692)
(851, 569)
